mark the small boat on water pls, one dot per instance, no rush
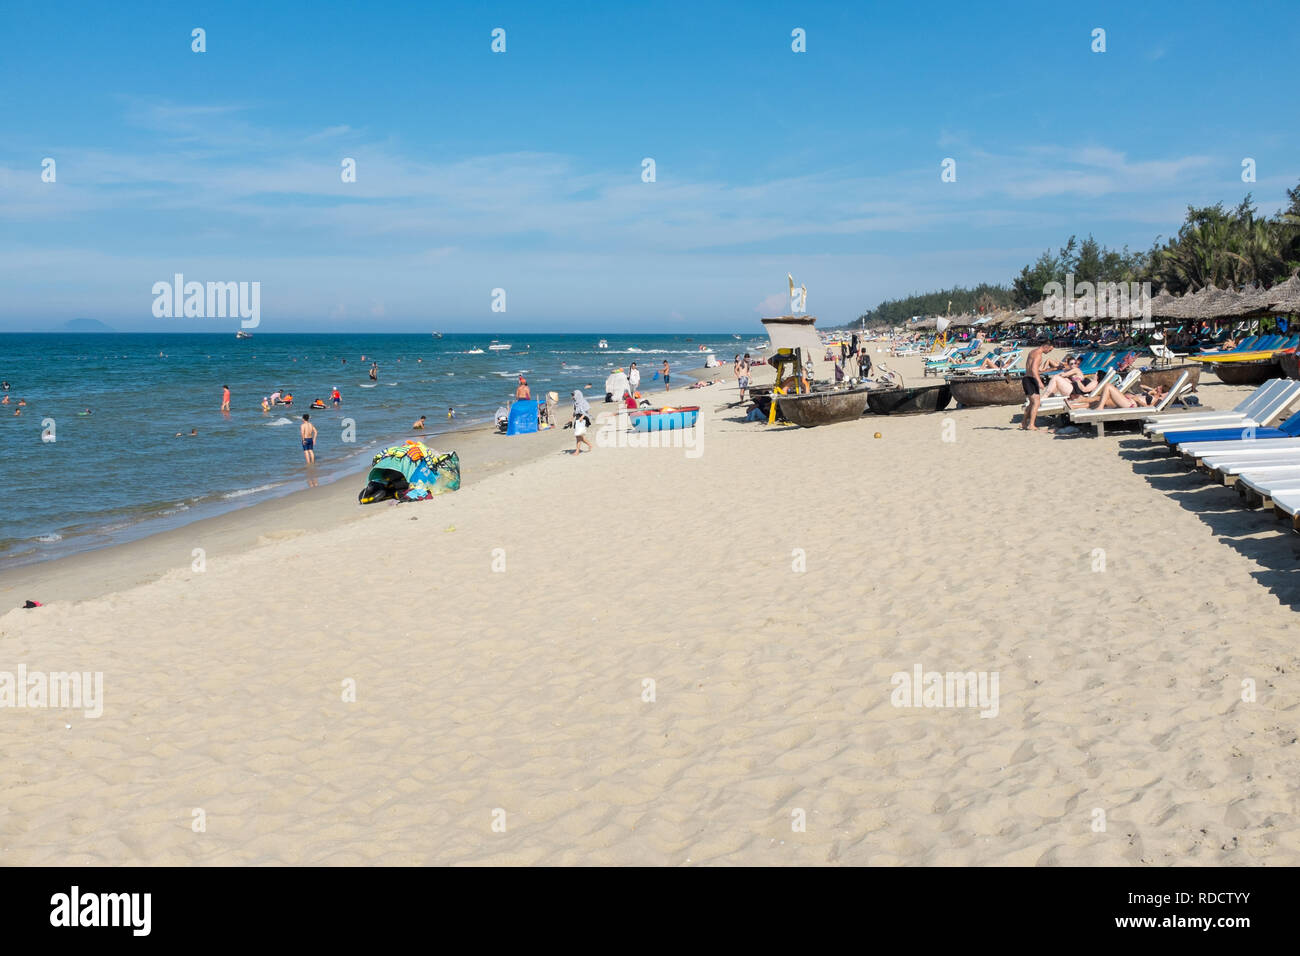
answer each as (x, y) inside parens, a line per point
(499, 346)
(907, 401)
(979, 391)
(474, 352)
(437, 335)
(602, 344)
(825, 407)
(243, 334)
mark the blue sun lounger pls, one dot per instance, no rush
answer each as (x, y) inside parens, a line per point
(1290, 429)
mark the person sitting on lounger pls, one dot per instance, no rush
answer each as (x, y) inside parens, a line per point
(1071, 381)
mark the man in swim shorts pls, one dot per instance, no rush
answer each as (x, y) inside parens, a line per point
(308, 433)
(1033, 385)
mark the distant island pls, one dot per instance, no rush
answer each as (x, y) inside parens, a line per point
(85, 325)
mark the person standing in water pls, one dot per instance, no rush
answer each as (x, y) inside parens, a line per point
(225, 398)
(374, 371)
(308, 432)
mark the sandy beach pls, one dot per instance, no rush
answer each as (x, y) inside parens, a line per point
(677, 655)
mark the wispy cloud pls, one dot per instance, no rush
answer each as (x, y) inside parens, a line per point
(209, 186)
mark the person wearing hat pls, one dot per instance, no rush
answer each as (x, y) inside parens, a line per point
(335, 397)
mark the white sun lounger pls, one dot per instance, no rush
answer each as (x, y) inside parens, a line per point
(1249, 453)
(1276, 467)
(1238, 448)
(1288, 503)
(1268, 487)
(1100, 417)
(1261, 408)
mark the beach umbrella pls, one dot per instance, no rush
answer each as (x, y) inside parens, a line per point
(1249, 303)
(1285, 296)
(1163, 305)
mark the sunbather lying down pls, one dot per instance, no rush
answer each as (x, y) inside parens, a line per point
(1070, 382)
(1111, 397)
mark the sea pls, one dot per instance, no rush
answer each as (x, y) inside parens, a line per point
(103, 450)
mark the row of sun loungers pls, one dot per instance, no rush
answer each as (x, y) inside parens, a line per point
(1244, 448)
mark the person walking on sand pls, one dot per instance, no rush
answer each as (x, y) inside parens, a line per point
(1033, 384)
(742, 375)
(665, 374)
(581, 411)
(308, 432)
(225, 398)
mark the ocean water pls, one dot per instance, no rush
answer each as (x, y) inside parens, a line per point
(121, 471)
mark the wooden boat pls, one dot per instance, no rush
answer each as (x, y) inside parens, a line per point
(1255, 372)
(977, 391)
(905, 401)
(823, 408)
(1290, 363)
(1165, 377)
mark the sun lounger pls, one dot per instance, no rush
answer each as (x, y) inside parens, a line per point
(1100, 417)
(1234, 432)
(1214, 454)
(1257, 466)
(1258, 489)
(1287, 503)
(1261, 407)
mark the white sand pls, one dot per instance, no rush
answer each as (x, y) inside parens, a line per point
(522, 689)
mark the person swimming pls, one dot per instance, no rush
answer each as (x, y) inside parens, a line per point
(318, 404)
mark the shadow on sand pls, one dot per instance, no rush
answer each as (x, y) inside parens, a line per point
(1256, 534)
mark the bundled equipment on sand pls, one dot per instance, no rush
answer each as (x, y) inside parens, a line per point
(410, 472)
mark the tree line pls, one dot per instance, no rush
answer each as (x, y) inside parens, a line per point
(1226, 247)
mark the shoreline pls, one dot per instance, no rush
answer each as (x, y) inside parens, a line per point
(114, 566)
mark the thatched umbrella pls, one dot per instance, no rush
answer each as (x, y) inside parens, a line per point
(1249, 303)
(1164, 305)
(1285, 296)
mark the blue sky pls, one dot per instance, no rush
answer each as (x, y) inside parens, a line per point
(522, 170)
